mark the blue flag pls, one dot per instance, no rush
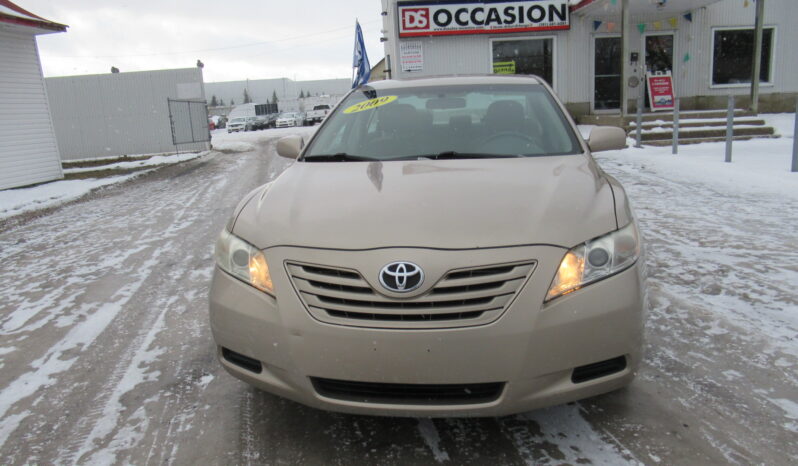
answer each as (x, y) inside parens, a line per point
(360, 59)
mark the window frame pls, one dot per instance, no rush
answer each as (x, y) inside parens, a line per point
(771, 62)
(554, 58)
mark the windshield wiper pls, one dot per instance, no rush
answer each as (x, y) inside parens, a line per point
(339, 157)
(450, 154)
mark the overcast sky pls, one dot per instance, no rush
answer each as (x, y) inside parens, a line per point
(236, 39)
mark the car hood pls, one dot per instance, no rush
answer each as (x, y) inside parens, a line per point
(450, 204)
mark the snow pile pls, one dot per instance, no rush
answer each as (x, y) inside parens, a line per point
(220, 137)
(150, 162)
(759, 166)
(18, 201)
(233, 146)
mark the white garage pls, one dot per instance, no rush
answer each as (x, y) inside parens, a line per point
(28, 148)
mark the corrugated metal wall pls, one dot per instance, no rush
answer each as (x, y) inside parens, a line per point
(470, 54)
(111, 115)
(28, 150)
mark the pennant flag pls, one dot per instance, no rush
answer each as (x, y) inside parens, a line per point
(657, 25)
(596, 25)
(360, 60)
(610, 27)
(614, 2)
(674, 22)
(641, 27)
(689, 17)
(686, 57)
(745, 4)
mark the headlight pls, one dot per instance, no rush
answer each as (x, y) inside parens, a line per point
(243, 261)
(596, 259)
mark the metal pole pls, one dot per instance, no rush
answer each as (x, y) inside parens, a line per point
(795, 141)
(729, 128)
(675, 126)
(625, 23)
(760, 17)
(639, 130)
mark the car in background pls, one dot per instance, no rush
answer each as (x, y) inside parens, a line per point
(441, 247)
(289, 119)
(318, 114)
(241, 124)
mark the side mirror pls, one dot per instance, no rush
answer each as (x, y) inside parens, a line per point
(606, 138)
(290, 146)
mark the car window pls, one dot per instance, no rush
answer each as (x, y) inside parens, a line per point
(504, 120)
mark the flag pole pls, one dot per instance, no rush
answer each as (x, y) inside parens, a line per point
(353, 68)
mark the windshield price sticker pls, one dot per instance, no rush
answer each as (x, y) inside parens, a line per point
(371, 103)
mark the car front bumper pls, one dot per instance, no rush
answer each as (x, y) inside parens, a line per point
(532, 348)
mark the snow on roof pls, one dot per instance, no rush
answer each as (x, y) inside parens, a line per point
(14, 14)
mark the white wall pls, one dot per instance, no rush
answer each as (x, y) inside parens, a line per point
(28, 149)
(110, 115)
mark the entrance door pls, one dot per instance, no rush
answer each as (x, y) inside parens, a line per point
(659, 54)
(607, 73)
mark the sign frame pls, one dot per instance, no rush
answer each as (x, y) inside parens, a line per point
(421, 18)
(661, 91)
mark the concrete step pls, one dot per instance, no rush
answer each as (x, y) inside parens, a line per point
(703, 133)
(697, 124)
(617, 120)
(684, 141)
(692, 115)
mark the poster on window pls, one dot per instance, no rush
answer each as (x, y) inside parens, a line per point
(660, 91)
(411, 56)
(504, 67)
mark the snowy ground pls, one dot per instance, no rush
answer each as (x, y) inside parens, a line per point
(18, 201)
(106, 355)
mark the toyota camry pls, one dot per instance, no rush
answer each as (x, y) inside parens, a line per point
(441, 247)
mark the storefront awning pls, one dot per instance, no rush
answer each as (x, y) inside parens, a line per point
(639, 10)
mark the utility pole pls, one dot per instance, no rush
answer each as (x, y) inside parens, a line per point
(757, 68)
(625, 23)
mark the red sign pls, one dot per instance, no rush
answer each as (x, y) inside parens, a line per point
(414, 19)
(660, 91)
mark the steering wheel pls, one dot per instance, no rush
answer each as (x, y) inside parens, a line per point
(511, 137)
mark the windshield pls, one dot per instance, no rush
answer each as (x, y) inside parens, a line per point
(288, 115)
(478, 120)
(238, 120)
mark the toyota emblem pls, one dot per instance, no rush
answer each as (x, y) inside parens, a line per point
(401, 277)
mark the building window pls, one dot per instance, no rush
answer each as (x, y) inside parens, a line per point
(732, 56)
(527, 56)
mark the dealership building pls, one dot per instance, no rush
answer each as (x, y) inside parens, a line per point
(705, 46)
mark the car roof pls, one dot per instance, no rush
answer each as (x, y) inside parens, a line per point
(485, 79)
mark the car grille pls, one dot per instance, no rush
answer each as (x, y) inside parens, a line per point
(463, 297)
(396, 393)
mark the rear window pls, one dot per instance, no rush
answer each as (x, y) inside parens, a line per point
(514, 119)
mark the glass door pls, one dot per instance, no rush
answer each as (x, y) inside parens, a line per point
(607, 73)
(659, 55)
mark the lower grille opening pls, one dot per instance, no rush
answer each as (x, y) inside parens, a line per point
(405, 317)
(598, 369)
(240, 360)
(417, 394)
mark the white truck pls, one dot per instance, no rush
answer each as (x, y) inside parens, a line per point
(316, 115)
